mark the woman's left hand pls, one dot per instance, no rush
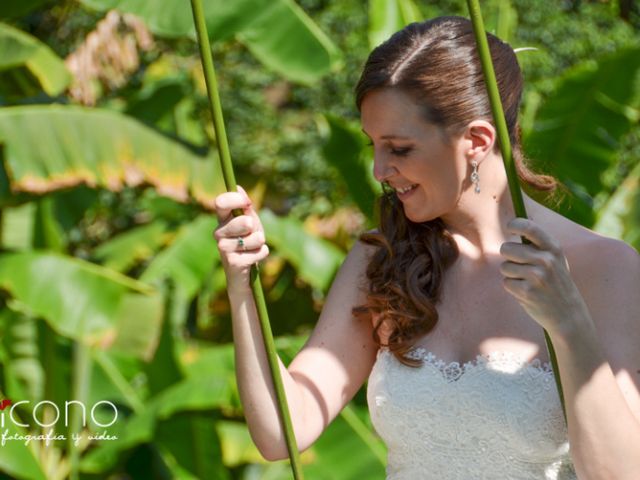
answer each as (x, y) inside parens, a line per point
(538, 276)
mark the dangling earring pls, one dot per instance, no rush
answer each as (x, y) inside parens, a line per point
(475, 178)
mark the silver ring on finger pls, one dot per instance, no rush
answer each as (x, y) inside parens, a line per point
(241, 244)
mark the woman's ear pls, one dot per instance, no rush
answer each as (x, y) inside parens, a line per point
(481, 137)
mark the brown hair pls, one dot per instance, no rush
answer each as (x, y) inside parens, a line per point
(437, 64)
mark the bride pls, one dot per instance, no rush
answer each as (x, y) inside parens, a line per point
(441, 307)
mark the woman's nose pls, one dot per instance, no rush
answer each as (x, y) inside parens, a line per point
(382, 169)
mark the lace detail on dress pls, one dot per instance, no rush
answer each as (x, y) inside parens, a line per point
(498, 360)
(496, 417)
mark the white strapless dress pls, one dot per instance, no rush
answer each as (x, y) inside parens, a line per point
(496, 418)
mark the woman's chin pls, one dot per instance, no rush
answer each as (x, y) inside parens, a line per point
(418, 217)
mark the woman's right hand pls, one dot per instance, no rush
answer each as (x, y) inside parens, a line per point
(237, 258)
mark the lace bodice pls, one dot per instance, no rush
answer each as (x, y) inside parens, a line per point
(496, 418)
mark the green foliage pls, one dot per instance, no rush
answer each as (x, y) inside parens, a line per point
(25, 59)
(620, 216)
(277, 32)
(592, 108)
(315, 259)
(98, 148)
(112, 288)
(389, 16)
(344, 150)
(18, 460)
(39, 284)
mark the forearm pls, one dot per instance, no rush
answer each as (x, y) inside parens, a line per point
(254, 380)
(603, 432)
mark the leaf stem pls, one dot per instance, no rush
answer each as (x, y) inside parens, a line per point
(505, 148)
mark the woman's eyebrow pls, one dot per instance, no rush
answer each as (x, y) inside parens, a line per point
(388, 137)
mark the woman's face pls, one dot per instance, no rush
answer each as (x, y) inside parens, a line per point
(409, 151)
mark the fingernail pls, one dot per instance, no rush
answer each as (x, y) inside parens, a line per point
(245, 195)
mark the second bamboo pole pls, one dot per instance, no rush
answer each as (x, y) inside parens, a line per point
(256, 287)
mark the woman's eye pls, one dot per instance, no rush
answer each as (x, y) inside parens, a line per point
(400, 152)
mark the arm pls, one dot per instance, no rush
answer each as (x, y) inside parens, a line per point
(324, 375)
(599, 360)
(594, 330)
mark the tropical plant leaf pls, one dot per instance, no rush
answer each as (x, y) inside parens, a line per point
(192, 394)
(577, 131)
(277, 32)
(138, 323)
(47, 232)
(17, 226)
(17, 459)
(200, 455)
(189, 259)
(316, 260)
(23, 373)
(339, 454)
(193, 441)
(18, 8)
(20, 49)
(125, 250)
(112, 376)
(286, 40)
(360, 455)
(164, 369)
(237, 446)
(620, 216)
(99, 148)
(344, 149)
(388, 16)
(200, 359)
(78, 299)
(500, 18)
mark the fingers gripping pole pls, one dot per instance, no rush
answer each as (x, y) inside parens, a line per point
(256, 287)
(505, 148)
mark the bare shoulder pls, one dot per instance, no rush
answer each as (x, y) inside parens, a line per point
(591, 255)
(602, 263)
(607, 273)
(605, 270)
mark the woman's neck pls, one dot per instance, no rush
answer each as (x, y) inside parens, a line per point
(478, 224)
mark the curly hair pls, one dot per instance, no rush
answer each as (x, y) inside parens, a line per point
(436, 63)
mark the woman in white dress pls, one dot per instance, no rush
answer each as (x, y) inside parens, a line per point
(442, 307)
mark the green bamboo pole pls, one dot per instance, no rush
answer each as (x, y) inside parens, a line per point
(230, 183)
(505, 148)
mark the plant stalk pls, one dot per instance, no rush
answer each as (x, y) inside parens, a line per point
(80, 389)
(230, 183)
(505, 148)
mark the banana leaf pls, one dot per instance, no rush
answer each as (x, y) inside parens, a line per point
(189, 258)
(620, 216)
(316, 260)
(345, 150)
(78, 299)
(18, 8)
(388, 16)
(191, 394)
(277, 32)
(123, 251)
(577, 131)
(98, 148)
(18, 460)
(22, 51)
